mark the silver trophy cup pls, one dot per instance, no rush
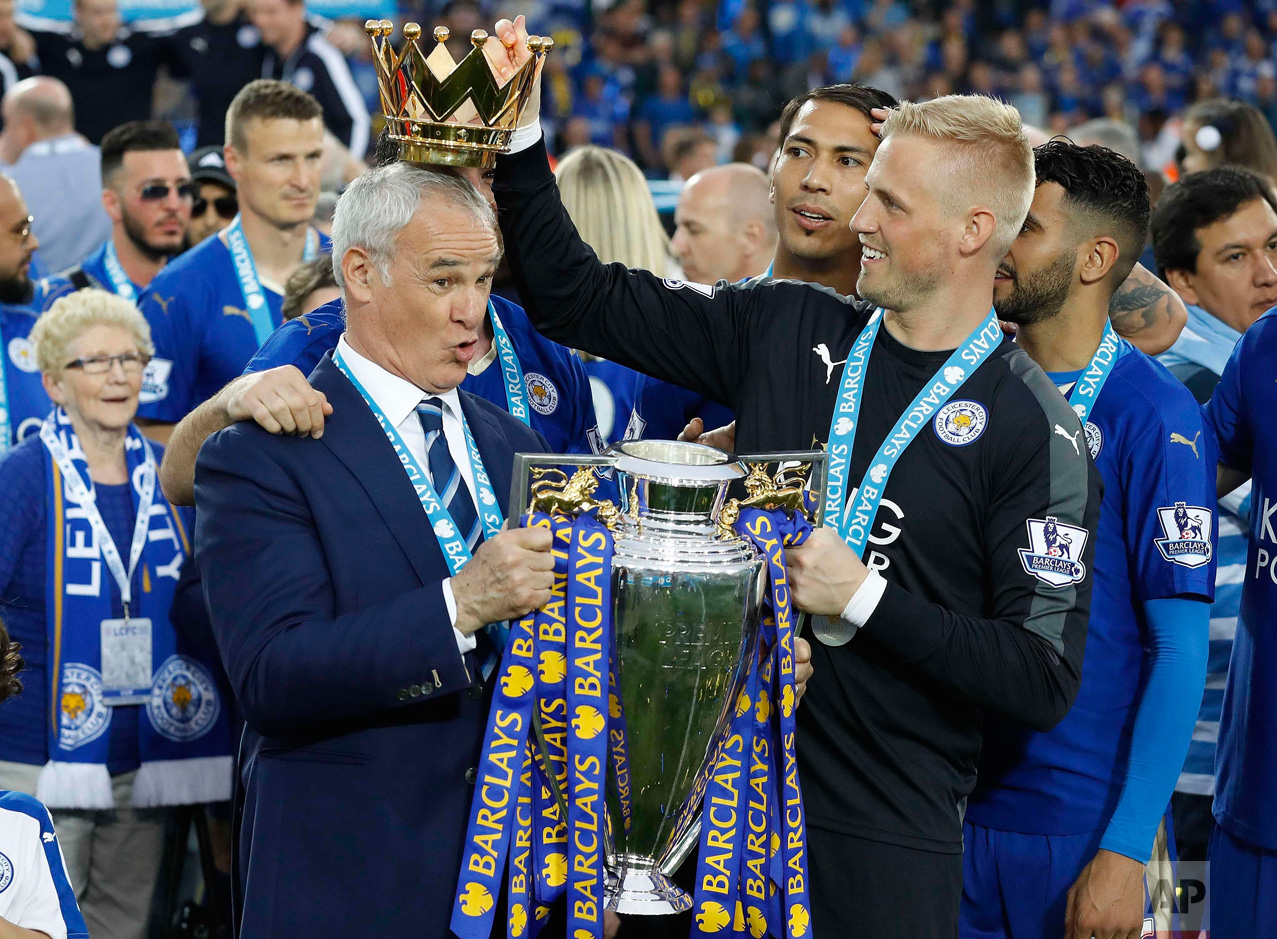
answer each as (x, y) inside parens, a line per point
(687, 596)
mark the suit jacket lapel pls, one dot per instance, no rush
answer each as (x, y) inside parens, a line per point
(355, 438)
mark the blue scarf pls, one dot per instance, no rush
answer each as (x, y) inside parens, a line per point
(1205, 341)
(184, 734)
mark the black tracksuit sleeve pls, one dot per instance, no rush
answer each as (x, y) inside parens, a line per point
(692, 336)
(1024, 661)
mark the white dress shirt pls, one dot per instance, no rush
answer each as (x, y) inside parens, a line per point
(398, 399)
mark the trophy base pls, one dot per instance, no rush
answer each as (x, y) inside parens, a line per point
(639, 889)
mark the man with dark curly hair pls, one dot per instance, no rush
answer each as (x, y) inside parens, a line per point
(36, 899)
(1061, 823)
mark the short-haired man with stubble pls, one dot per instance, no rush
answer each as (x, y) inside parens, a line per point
(212, 308)
(1061, 824)
(147, 192)
(967, 611)
(1215, 240)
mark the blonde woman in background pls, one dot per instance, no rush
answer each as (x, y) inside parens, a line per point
(608, 200)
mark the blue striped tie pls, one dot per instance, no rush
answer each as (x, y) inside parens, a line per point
(455, 496)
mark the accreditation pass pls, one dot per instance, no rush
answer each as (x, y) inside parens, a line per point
(126, 660)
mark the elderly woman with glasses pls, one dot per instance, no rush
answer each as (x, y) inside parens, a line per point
(119, 718)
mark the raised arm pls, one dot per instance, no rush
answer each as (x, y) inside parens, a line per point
(692, 335)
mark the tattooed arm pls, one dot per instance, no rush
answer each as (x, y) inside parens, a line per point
(1146, 312)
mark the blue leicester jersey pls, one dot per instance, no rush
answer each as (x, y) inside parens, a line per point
(662, 410)
(25, 402)
(94, 267)
(1240, 413)
(558, 392)
(1154, 541)
(613, 387)
(202, 329)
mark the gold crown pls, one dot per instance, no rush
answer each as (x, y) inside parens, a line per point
(439, 111)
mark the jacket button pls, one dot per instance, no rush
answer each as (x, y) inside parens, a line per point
(472, 774)
(403, 694)
(427, 688)
(476, 690)
(414, 690)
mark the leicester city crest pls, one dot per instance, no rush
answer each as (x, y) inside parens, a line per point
(1054, 555)
(6, 872)
(184, 702)
(1094, 439)
(84, 715)
(542, 393)
(1187, 529)
(959, 423)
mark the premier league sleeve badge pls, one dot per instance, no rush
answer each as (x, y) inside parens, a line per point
(1054, 552)
(1187, 529)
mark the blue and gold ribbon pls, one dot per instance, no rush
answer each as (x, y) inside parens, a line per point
(589, 640)
(497, 789)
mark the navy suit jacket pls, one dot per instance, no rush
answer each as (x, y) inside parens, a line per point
(324, 582)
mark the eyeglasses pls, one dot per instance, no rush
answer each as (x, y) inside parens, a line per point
(131, 362)
(225, 206)
(155, 192)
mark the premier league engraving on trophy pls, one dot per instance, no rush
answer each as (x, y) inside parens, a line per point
(688, 598)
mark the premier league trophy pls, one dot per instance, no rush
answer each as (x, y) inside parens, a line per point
(688, 603)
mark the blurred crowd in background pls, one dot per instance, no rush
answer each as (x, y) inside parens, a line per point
(682, 84)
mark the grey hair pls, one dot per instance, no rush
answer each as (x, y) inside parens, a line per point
(378, 205)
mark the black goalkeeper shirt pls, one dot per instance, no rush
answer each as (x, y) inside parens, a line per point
(890, 725)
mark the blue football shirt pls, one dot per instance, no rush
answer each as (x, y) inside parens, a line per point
(613, 387)
(1154, 541)
(1246, 758)
(201, 328)
(26, 402)
(557, 390)
(662, 410)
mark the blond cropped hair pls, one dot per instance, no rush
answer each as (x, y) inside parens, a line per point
(610, 203)
(991, 157)
(75, 314)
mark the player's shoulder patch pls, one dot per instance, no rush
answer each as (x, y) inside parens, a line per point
(674, 284)
(1054, 552)
(1187, 529)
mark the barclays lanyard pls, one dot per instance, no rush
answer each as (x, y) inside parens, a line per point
(451, 540)
(119, 280)
(1086, 390)
(80, 493)
(515, 394)
(853, 514)
(250, 284)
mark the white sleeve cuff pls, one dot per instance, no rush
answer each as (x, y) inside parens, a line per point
(525, 137)
(464, 643)
(865, 600)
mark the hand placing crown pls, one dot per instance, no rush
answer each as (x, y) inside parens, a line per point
(458, 114)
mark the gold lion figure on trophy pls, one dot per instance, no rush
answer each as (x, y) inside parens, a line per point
(764, 492)
(554, 491)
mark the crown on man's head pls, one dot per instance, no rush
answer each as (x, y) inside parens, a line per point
(439, 111)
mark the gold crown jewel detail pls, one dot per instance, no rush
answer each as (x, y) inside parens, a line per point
(444, 112)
